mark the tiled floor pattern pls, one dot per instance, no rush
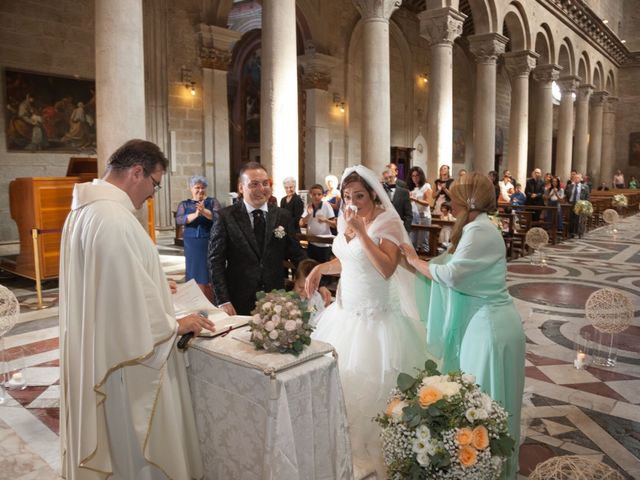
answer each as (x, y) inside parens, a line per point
(594, 412)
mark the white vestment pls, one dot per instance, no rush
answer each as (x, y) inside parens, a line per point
(122, 382)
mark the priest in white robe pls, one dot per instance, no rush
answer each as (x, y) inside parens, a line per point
(125, 404)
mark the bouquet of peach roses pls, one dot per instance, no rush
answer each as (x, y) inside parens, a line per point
(444, 427)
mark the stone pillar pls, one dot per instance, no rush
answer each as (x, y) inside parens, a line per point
(545, 75)
(315, 81)
(216, 44)
(279, 92)
(485, 47)
(581, 137)
(376, 97)
(519, 66)
(564, 150)
(607, 165)
(440, 27)
(120, 99)
(594, 153)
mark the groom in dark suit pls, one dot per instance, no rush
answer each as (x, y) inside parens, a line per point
(399, 196)
(248, 243)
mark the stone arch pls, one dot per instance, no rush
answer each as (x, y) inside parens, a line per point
(544, 45)
(485, 18)
(584, 68)
(598, 76)
(566, 57)
(611, 84)
(517, 27)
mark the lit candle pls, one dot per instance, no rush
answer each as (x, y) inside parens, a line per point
(579, 361)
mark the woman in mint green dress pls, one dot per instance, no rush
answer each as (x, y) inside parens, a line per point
(472, 323)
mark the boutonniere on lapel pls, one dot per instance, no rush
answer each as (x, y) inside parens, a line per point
(279, 232)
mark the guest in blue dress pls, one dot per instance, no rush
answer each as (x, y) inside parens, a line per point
(197, 214)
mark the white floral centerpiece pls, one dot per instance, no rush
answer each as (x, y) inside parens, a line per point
(444, 427)
(620, 200)
(280, 322)
(583, 207)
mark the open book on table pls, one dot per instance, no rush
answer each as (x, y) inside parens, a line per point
(190, 299)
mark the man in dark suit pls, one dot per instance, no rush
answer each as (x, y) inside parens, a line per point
(399, 197)
(393, 168)
(248, 243)
(576, 190)
(534, 191)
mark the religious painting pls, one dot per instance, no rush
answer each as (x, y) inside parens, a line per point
(48, 113)
(458, 145)
(634, 149)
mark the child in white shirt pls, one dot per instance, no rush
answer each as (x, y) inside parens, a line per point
(318, 219)
(445, 232)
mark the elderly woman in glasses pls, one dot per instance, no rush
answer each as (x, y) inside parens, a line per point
(197, 214)
(292, 202)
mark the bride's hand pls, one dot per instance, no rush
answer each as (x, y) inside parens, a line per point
(312, 281)
(354, 222)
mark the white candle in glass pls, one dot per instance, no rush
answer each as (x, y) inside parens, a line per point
(580, 360)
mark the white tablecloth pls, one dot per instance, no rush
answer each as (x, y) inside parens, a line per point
(290, 424)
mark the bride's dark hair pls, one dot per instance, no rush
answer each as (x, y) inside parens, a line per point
(354, 177)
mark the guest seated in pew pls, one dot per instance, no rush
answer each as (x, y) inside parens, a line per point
(318, 219)
(633, 182)
(445, 233)
(517, 198)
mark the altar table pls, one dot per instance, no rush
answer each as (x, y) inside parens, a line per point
(268, 416)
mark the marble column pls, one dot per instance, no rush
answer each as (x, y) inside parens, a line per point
(486, 48)
(519, 65)
(216, 44)
(279, 92)
(608, 162)
(440, 27)
(564, 148)
(581, 137)
(316, 78)
(376, 96)
(545, 75)
(594, 153)
(120, 95)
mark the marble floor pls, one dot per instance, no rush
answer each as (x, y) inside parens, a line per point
(592, 411)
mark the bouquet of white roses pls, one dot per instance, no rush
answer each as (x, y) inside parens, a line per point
(583, 207)
(280, 322)
(444, 427)
(619, 200)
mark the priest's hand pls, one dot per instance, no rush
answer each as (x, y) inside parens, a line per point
(173, 286)
(228, 308)
(194, 323)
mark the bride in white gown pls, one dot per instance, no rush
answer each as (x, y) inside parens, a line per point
(373, 324)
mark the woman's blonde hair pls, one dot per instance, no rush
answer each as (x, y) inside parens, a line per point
(475, 193)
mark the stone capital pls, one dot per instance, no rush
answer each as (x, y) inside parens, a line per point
(377, 9)
(441, 25)
(584, 92)
(611, 104)
(316, 69)
(520, 64)
(216, 44)
(599, 98)
(486, 47)
(568, 84)
(547, 73)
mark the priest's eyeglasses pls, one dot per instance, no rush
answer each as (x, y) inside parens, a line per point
(156, 184)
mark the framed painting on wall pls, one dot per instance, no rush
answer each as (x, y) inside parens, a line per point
(634, 149)
(49, 113)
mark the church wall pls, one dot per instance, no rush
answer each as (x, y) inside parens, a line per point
(47, 38)
(630, 31)
(185, 115)
(627, 118)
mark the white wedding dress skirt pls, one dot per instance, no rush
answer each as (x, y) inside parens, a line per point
(374, 341)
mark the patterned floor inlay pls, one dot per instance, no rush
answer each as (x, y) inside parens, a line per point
(594, 412)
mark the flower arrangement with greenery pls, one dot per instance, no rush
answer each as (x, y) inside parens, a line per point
(583, 207)
(443, 427)
(280, 322)
(620, 200)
